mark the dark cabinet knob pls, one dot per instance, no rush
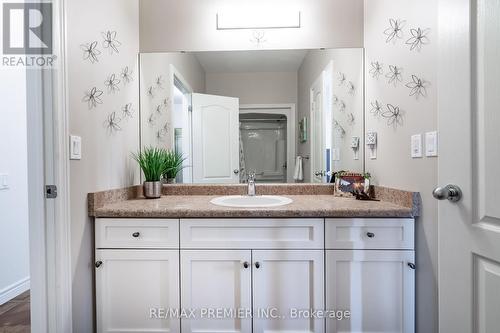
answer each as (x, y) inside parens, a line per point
(136, 234)
(370, 234)
(257, 265)
(411, 265)
(246, 264)
(98, 264)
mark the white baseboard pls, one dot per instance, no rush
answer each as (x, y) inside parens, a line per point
(14, 290)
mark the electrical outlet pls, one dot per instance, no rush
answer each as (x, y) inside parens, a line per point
(371, 142)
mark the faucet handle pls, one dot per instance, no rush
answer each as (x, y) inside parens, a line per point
(251, 175)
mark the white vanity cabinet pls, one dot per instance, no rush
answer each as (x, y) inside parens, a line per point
(254, 275)
(370, 271)
(266, 267)
(137, 275)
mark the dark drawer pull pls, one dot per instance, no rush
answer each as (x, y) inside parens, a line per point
(246, 264)
(370, 234)
(136, 234)
(98, 264)
(411, 265)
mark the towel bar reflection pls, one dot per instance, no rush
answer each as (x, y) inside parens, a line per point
(304, 157)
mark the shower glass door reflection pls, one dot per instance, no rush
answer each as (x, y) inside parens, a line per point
(264, 146)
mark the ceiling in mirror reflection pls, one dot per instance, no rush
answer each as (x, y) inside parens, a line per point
(251, 61)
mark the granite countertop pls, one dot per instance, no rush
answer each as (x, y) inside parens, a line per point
(199, 206)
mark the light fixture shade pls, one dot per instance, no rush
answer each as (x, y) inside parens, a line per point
(258, 19)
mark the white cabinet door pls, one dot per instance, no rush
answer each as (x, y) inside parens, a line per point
(215, 139)
(284, 281)
(377, 287)
(132, 285)
(216, 280)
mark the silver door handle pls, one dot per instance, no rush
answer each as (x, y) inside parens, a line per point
(451, 192)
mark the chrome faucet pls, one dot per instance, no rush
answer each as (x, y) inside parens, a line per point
(251, 183)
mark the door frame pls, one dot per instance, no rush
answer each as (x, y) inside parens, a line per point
(48, 163)
(319, 80)
(289, 110)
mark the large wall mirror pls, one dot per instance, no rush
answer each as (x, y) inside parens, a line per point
(287, 115)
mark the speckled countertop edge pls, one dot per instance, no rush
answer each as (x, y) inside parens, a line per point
(310, 200)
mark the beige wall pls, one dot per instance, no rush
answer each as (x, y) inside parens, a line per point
(254, 88)
(394, 167)
(106, 162)
(190, 25)
(349, 62)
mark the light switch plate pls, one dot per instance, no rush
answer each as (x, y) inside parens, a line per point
(4, 181)
(75, 147)
(416, 146)
(431, 144)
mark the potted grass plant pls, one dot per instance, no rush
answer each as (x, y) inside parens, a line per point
(173, 165)
(152, 162)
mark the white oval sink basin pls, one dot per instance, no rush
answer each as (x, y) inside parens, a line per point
(258, 201)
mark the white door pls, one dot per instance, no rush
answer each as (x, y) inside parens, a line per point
(285, 281)
(469, 119)
(377, 287)
(132, 286)
(216, 279)
(317, 131)
(215, 139)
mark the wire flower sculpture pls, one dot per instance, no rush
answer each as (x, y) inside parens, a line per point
(350, 88)
(159, 108)
(418, 87)
(93, 97)
(342, 106)
(112, 84)
(395, 31)
(126, 75)
(159, 82)
(377, 70)
(160, 136)
(335, 100)
(151, 92)
(112, 123)
(351, 119)
(258, 37)
(338, 128)
(110, 42)
(166, 103)
(151, 120)
(376, 109)
(419, 38)
(90, 52)
(394, 115)
(342, 79)
(395, 75)
(128, 111)
(166, 128)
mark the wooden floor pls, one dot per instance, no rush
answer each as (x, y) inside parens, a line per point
(15, 315)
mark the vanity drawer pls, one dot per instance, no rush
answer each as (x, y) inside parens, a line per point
(252, 233)
(137, 233)
(375, 234)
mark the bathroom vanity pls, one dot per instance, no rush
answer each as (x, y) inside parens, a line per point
(319, 252)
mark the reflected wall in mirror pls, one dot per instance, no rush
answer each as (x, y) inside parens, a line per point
(234, 112)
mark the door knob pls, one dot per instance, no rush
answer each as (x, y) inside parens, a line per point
(451, 192)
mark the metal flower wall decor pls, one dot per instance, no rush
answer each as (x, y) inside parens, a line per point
(395, 30)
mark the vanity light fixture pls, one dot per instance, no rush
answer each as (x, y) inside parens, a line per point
(257, 18)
